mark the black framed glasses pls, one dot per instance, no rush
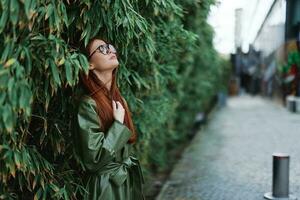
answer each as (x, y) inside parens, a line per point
(104, 49)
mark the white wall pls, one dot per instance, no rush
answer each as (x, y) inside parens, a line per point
(271, 36)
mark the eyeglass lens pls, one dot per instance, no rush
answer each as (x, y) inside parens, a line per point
(105, 48)
(112, 48)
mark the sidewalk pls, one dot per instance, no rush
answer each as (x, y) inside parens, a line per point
(231, 158)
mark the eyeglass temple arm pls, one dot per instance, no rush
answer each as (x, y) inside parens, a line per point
(92, 53)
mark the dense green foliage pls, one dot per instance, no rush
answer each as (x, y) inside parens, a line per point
(168, 72)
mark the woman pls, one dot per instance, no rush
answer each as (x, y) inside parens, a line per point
(105, 131)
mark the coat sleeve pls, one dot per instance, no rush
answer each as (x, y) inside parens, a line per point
(98, 148)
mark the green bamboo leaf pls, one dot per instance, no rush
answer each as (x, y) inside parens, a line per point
(54, 187)
(83, 62)
(47, 101)
(7, 118)
(5, 53)
(8, 154)
(49, 12)
(56, 19)
(25, 96)
(35, 180)
(64, 13)
(30, 8)
(51, 24)
(42, 137)
(88, 33)
(4, 4)
(38, 37)
(55, 72)
(62, 61)
(27, 5)
(12, 169)
(14, 11)
(146, 85)
(69, 72)
(17, 159)
(9, 63)
(76, 66)
(4, 77)
(44, 195)
(28, 60)
(66, 197)
(136, 80)
(3, 21)
(38, 194)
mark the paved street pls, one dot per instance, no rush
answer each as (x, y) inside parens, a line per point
(231, 158)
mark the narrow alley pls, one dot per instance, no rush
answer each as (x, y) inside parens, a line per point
(231, 158)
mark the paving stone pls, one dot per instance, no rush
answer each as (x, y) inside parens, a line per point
(231, 158)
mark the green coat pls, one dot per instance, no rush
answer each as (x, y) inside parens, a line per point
(112, 171)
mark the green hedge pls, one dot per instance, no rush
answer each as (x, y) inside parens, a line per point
(168, 71)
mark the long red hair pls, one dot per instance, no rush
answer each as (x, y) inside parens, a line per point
(103, 98)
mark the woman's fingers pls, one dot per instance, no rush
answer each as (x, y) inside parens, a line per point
(116, 104)
(119, 104)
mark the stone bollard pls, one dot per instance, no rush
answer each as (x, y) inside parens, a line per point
(292, 103)
(280, 182)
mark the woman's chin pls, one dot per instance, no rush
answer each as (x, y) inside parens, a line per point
(115, 63)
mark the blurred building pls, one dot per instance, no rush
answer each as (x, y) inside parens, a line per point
(238, 28)
(292, 20)
(263, 30)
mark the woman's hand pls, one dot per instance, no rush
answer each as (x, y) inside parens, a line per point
(118, 111)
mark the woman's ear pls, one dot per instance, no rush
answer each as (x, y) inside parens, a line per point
(91, 67)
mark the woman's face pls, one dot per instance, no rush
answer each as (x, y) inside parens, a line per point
(100, 62)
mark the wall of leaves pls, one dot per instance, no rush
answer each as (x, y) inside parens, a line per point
(168, 71)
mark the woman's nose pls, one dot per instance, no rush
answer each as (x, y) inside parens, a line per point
(110, 51)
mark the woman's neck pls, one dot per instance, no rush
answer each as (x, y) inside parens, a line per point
(105, 77)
